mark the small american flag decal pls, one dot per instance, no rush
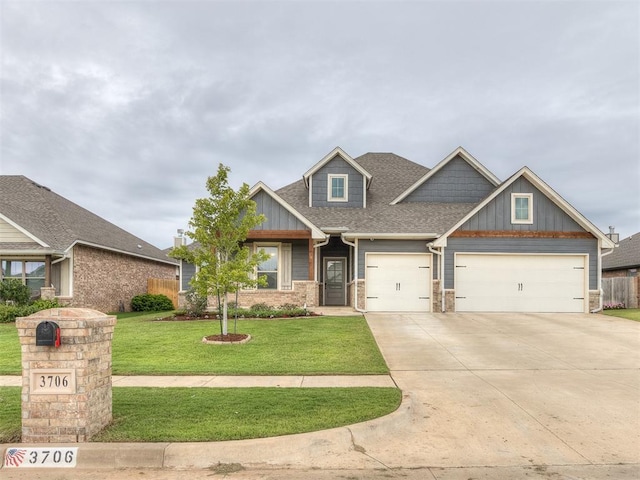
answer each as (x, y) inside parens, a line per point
(14, 457)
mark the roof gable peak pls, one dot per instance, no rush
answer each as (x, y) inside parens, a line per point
(458, 152)
(330, 156)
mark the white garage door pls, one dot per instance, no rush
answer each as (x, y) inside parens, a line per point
(521, 283)
(398, 282)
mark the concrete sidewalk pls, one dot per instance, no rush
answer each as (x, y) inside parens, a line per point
(223, 381)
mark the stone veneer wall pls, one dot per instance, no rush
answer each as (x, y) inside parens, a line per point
(303, 292)
(103, 279)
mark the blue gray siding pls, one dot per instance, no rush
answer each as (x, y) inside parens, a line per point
(278, 218)
(300, 261)
(547, 216)
(337, 166)
(455, 182)
(393, 246)
(188, 271)
(521, 245)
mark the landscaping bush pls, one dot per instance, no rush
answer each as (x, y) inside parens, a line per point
(9, 313)
(614, 306)
(150, 302)
(196, 303)
(13, 290)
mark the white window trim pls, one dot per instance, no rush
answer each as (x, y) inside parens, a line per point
(529, 219)
(284, 268)
(330, 197)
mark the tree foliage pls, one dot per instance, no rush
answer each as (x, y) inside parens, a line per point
(219, 226)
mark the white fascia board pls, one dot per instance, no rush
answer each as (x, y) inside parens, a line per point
(544, 188)
(123, 252)
(390, 236)
(458, 151)
(316, 233)
(345, 156)
(23, 231)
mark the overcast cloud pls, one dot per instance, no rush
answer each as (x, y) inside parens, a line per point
(125, 107)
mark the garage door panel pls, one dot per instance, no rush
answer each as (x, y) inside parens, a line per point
(520, 283)
(398, 282)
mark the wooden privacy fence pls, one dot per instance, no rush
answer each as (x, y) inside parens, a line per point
(165, 287)
(620, 290)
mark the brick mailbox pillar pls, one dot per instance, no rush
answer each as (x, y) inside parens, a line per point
(66, 390)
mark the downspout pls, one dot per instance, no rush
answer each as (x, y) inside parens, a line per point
(440, 262)
(355, 272)
(600, 302)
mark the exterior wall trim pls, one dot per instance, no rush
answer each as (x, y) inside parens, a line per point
(518, 234)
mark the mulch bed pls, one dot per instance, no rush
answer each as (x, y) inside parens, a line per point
(230, 337)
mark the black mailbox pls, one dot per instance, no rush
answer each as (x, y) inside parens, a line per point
(48, 334)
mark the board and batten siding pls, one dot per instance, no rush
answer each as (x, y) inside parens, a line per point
(319, 184)
(393, 246)
(522, 246)
(547, 216)
(455, 182)
(10, 234)
(277, 217)
(299, 261)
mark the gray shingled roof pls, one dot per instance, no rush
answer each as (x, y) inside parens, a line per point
(627, 255)
(59, 222)
(391, 175)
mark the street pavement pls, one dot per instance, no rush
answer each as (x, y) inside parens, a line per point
(485, 396)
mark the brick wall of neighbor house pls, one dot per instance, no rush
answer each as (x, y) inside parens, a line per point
(103, 279)
(303, 292)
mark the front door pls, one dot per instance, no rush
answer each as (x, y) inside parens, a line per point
(334, 281)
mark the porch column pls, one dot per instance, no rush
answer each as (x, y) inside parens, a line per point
(312, 272)
(47, 270)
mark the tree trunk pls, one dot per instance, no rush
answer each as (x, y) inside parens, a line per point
(225, 330)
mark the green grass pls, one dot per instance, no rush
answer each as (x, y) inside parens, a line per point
(300, 346)
(628, 313)
(216, 414)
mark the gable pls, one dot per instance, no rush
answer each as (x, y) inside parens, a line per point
(496, 214)
(278, 217)
(455, 182)
(319, 184)
(10, 234)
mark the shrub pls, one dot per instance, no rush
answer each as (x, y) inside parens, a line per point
(613, 306)
(9, 313)
(13, 290)
(150, 302)
(196, 303)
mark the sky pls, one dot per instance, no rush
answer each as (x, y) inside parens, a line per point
(126, 107)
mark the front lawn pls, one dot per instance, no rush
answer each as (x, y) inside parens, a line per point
(628, 313)
(215, 414)
(299, 346)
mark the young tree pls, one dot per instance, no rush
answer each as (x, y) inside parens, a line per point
(219, 226)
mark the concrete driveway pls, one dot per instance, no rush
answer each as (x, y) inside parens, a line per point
(517, 390)
(486, 396)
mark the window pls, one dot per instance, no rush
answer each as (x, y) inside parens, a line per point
(277, 268)
(338, 188)
(30, 273)
(269, 268)
(522, 208)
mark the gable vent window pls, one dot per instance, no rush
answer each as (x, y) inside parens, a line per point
(522, 208)
(338, 188)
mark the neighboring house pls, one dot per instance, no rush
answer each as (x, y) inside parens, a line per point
(624, 261)
(381, 233)
(60, 249)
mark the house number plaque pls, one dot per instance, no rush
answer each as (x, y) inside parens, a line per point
(52, 381)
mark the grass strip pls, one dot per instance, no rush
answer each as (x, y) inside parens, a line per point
(628, 313)
(217, 414)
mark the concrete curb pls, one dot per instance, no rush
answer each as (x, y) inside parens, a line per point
(322, 449)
